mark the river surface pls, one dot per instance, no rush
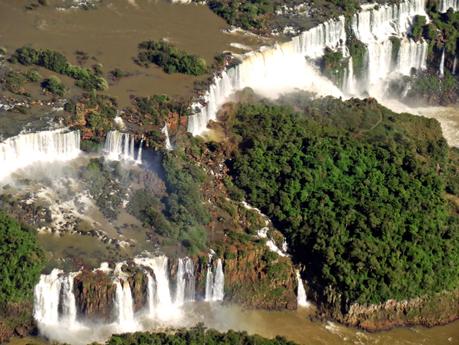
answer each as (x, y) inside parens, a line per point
(294, 325)
(110, 35)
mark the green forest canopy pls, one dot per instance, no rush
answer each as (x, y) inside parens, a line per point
(21, 260)
(195, 336)
(357, 190)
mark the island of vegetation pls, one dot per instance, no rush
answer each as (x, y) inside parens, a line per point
(170, 58)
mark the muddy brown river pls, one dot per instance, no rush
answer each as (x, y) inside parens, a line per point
(110, 35)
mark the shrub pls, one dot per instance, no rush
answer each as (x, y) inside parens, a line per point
(54, 85)
(170, 58)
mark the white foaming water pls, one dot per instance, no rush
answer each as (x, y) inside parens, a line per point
(120, 146)
(441, 68)
(284, 67)
(272, 70)
(375, 27)
(53, 291)
(185, 290)
(69, 310)
(447, 4)
(167, 142)
(164, 308)
(301, 292)
(215, 283)
(46, 146)
(124, 306)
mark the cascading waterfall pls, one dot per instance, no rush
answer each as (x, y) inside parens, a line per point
(215, 283)
(209, 284)
(271, 70)
(139, 153)
(301, 292)
(124, 306)
(376, 28)
(120, 146)
(447, 4)
(167, 142)
(164, 308)
(45, 146)
(54, 300)
(69, 311)
(283, 67)
(151, 294)
(441, 69)
(185, 291)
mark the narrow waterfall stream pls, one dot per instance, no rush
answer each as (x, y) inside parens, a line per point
(215, 283)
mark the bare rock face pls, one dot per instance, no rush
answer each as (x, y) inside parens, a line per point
(254, 277)
(95, 295)
(138, 283)
(428, 311)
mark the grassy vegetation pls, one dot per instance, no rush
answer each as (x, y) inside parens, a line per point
(170, 58)
(357, 191)
(56, 62)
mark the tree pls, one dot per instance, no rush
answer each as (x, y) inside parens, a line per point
(21, 260)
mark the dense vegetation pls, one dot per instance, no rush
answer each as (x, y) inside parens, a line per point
(263, 16)
(56, 62)
(180, 213)
(170, 58)
(21, 261)
(358, 191)
(195, 336)
(334, 66)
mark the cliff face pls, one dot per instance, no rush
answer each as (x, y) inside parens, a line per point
(427, 311)
(257, 278)
(94, 294)
(16, 320)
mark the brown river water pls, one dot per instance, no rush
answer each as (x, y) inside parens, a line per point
(110, 35)
(294, 325)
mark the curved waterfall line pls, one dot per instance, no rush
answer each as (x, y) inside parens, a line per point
(46, 146)
(286, 66)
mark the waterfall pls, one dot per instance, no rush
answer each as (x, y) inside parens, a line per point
(167, 142)
(454, 65)
(447, 4)
(46, 298)
(124, 306)
(151, 294)
(185, 291)
(301, 293)
(215, 283)
(284, 67)
(441, 69)
(69, 312)
(164, 308)
(120, 146)
(375, 27)
(180, 290)
(46, 146)
(54, 300)
(139, 153)
(209, 284)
